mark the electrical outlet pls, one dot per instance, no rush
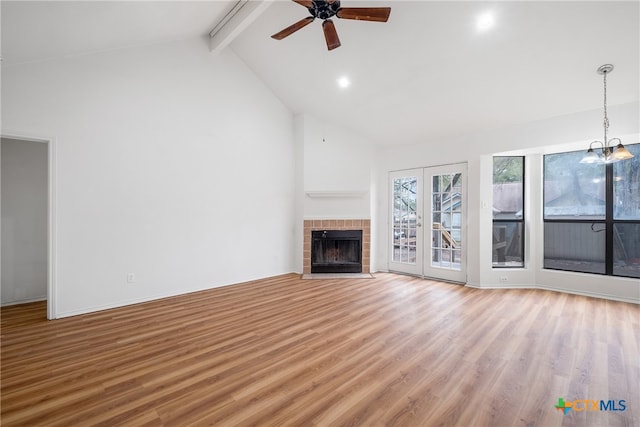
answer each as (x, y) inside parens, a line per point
(504, 279)
(131, 277)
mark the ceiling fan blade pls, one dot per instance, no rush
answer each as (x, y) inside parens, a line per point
(330, 34)
(378, 14)
(306, 3)
(293, 28)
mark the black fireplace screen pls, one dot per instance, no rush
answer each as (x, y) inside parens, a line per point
(336, 251)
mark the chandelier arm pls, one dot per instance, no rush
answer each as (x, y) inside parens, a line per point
(599, 142)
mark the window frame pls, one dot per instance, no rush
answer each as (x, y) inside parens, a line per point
(609, 222)
(520, 221)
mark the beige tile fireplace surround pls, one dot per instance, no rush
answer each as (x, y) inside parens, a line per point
(337, 224)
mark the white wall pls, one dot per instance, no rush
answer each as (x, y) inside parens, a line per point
(24, 221)
(171, 163)
(299, 195)
(336, 160)
(571, 131)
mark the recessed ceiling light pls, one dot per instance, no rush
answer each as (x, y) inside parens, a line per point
(485, 21)
(344, 82)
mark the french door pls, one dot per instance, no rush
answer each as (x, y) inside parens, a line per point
(428, 233)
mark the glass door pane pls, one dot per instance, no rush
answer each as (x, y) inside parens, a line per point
(446, 231)
(406, 216)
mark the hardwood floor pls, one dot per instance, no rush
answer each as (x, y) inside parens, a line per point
(394, 350)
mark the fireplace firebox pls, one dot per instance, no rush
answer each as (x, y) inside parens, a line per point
(336, 251)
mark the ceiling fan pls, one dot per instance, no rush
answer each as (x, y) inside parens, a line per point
(325, 10)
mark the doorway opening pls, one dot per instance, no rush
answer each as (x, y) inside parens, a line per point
(27, 221)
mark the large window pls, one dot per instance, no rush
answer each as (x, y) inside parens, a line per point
(592, 214)
(508, 211)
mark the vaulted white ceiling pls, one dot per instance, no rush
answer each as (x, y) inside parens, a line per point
(426, 74)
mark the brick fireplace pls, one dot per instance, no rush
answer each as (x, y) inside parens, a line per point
(337, 224)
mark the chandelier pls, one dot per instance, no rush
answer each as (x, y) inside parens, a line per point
(606, 153)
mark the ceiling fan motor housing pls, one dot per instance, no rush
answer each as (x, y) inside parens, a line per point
(323, 9)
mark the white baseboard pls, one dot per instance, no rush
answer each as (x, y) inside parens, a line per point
(550, 288)
(23, 301)
(154, 297)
